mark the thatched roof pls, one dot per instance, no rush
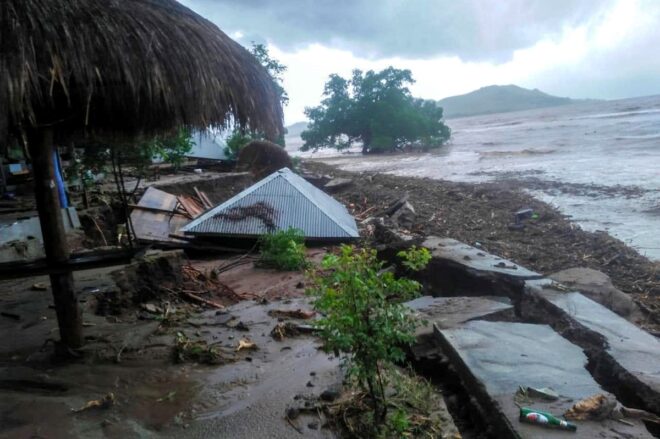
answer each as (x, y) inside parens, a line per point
(125, 67)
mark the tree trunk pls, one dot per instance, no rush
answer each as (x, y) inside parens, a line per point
(69, 318)
(366, 142)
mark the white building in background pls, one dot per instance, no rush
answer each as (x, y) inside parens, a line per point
(208, 144)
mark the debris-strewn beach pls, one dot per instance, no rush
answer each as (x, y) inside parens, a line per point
(481, 215)
(594, 161)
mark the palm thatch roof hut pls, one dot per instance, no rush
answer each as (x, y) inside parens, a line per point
(116, 69)
(126, 67)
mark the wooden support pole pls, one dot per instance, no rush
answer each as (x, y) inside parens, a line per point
(69, 317)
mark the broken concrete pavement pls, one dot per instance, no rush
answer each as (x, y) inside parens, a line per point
(495, 347)
(495, 358)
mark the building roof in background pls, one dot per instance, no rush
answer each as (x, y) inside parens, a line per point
(208, 145)
(279, 201)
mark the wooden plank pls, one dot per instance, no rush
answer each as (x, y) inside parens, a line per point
(154, 219)
(185, 205)
(190, 205)
(202, 197)
(207, 201)
(158, 199)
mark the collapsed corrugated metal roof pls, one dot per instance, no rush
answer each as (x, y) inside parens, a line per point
(279, 201)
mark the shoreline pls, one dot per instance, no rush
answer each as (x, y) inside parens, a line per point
(479, 214)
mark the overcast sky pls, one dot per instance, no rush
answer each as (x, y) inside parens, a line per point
(578, 48)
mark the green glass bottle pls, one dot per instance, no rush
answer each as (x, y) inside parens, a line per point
(533, 416)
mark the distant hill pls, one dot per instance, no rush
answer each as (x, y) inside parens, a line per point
(499, 99)
(292, 137)
(295, 129)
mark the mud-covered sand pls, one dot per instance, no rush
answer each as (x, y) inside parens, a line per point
(130, 353)
(480, 215)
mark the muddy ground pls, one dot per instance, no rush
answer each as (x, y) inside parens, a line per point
(249, 366)
(130, 342)
(134, 320)
(481, 215)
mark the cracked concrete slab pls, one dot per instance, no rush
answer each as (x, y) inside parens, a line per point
(495, 358)
(449, 312)
(622, 353)
(475, 259)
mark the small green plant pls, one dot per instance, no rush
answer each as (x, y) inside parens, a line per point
(284, 250)
(415, 259)
(236, 141)
(364, 320)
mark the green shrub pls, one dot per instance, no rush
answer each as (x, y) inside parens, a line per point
(236, 141)
(284, 250)
(364, 319)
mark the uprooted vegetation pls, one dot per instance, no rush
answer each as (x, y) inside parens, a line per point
(164, 285)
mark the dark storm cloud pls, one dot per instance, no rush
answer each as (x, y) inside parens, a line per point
(470, 29)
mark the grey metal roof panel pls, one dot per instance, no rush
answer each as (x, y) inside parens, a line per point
(295, 203)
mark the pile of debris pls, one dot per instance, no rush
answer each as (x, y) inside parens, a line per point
(162, 284)
(159, 216)
(280, 201)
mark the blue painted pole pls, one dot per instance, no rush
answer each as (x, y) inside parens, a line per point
(59, 181)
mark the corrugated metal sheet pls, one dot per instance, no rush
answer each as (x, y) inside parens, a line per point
(295, 203)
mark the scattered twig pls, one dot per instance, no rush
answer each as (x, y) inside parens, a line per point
(105, 241)
(196, 298)
(293, 425)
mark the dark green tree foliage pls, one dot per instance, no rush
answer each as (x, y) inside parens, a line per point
(274, 67)
(376, 109)
(171, 148)
(240, 137)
